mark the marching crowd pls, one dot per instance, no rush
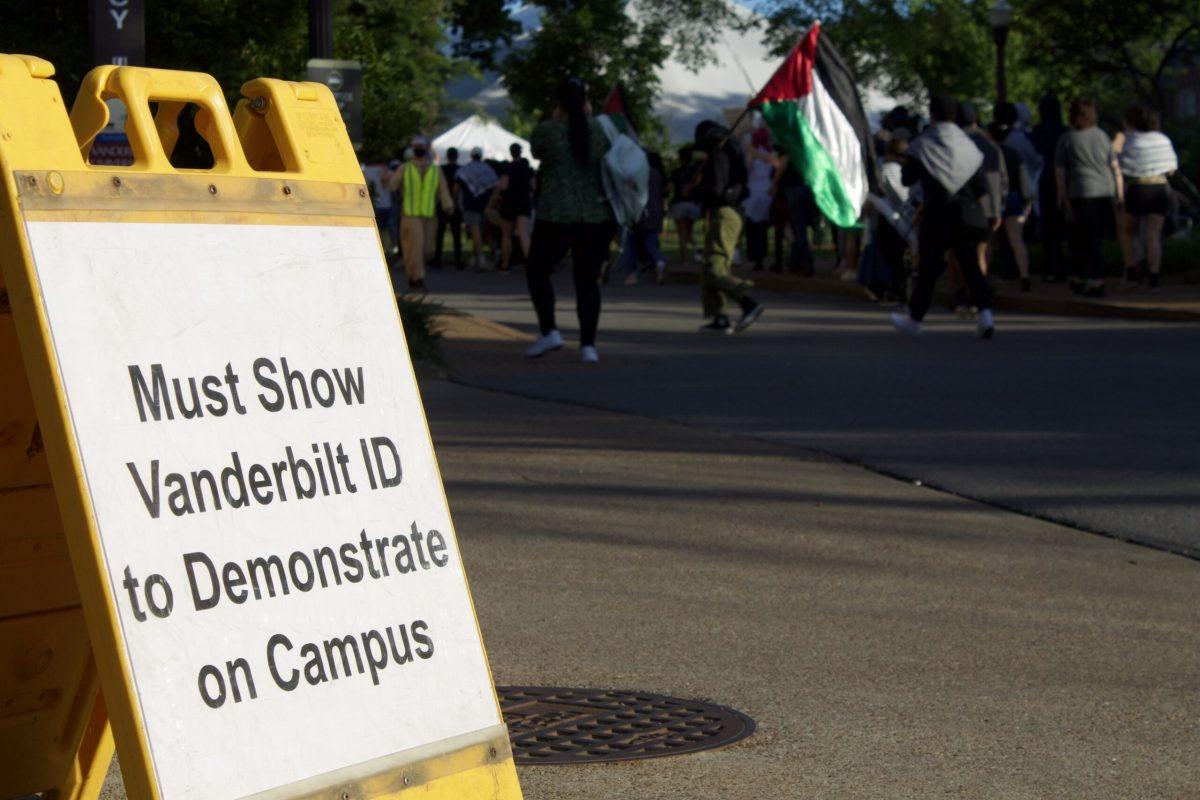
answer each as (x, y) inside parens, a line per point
(950, 194)
(418, 202)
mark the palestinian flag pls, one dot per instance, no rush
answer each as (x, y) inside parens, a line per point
(616, 109)
(812, 109)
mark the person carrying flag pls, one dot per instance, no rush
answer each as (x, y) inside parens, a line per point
(722, 189)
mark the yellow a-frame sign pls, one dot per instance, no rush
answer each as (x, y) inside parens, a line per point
(222, 526)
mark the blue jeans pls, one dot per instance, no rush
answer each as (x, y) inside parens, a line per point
(640, 243)
(798, 198)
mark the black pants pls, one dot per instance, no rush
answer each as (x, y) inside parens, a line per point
(892, 246)
(756, 242)
(941, 232)
(454, 223)
(1087, 232)
(1053, 231)
(588, 244)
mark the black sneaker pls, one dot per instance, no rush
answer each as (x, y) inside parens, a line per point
(720, 324)
(1153, 282)
(749, 315)
(416, 286)
(1026, 286)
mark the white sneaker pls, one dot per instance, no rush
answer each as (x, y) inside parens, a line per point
(551, 341)
(631, 279)
(987, 325)
(660, 272)
(904, 323)
(588, 355)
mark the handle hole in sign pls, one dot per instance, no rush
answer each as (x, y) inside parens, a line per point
(192, 150)
(111, 146)
(258, 141)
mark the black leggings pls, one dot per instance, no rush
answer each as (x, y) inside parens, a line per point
(589, 244)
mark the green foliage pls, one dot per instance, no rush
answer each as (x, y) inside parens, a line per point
(520, 122)
(908, 48)
(404, 73)
(401, 46)
(1101, 46)
(482, 30)
(397, 41)
(1116, 50)
(596, 41)
(606, 42)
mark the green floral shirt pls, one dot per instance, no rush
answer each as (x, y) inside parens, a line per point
(568, 191)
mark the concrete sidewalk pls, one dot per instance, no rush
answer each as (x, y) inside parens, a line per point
(1178, 301)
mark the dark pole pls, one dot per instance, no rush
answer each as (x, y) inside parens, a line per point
(1001, 34)
(320, 28)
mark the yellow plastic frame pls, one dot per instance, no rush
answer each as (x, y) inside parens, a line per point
(283, 157)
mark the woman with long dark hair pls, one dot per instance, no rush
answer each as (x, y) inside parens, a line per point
(572, 214)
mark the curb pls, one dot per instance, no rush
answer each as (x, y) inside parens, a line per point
(789, 284)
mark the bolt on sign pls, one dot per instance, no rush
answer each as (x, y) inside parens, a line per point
(212, 367)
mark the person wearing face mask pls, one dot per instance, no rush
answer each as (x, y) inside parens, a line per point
(421, 190)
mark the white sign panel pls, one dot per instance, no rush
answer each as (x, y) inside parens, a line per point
(274, 529)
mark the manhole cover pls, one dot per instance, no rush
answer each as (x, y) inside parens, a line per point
(571, 726)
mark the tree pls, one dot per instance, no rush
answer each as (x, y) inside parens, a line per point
(404, 70)
(1136, 44)
(908, 48)
(397, 41)
(606, 42)
(482, 30)
(594, 40)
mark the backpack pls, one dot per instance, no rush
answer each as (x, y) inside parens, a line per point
(625, 173)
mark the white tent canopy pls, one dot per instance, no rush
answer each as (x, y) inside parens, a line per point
(477, 131)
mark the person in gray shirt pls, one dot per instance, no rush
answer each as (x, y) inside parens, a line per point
(1089, 183)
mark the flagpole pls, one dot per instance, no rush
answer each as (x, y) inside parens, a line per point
(746, 110)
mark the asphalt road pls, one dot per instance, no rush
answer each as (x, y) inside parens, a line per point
(1091, 423)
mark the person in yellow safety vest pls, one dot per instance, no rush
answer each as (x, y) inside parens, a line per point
(420, 188)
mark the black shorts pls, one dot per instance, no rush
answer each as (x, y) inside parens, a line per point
(1147, 198)
(511, 208)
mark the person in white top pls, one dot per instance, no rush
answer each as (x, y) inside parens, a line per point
(756, 208)
(1147, 159)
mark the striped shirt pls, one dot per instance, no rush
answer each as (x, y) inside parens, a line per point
(1147, 154)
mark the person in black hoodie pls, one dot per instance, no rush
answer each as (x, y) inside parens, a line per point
(1053, 225)
(721, 190)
